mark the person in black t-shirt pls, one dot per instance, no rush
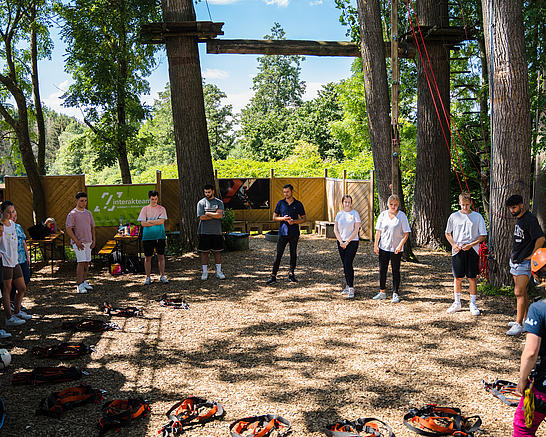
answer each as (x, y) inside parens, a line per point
(534, 355)
(290, 213)
(528, 237)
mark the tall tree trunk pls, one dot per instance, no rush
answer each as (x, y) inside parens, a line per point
(510, 125)
(485, 155)
(36, 93)
(190, 125)
(377, 94)
(539, 191)
(431, 206)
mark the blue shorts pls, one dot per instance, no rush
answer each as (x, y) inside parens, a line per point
(523, 268)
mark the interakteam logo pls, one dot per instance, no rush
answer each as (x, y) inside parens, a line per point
(112, 205)
(114, 200)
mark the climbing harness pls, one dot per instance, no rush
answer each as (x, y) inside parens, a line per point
(47, 375)
(90, 325)
(260, 426)
(189, 412)
(504, 390)
(122, 412)
(121, 312)
(363, 427)
(62, 351)
(57, 403)
(175, 303)
(435, 421)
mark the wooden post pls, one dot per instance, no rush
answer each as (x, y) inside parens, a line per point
(271, 177)
(158, 182)
(216, 185)
(395, 90)
(344, 182)
(325, 173)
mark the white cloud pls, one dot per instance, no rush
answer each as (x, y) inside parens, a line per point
(214, 73)
(54, 101)
(282, 3)
(316, 2)
(312, 89)
(238, 100)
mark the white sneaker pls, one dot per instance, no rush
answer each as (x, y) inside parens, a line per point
(87, 286)
(512, 324)
(23, 315)
(516, 329)
(148, 280)
(220, 275)
(14, 321)
(395, 298)
(164, 279)
(380, 296)
(345, 290)
(81, 288)
(455, 306)
(204, 276)
(4, 334)
(474, 309)
(350, 293)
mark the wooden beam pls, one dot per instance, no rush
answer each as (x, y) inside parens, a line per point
(295, 47)
(156, 33)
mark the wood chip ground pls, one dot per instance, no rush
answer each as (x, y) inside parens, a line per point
(299, 350)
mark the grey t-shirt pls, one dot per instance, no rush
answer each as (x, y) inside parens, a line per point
(210, 227)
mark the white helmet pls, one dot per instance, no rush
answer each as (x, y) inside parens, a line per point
(5, 359)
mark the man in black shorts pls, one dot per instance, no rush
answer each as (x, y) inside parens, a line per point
(210, 211)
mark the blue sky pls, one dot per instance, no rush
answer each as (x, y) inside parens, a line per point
(252, 19)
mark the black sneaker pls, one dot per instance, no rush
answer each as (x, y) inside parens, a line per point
(272, 280)
(292, 277)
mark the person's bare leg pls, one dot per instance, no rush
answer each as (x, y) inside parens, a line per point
(80, 272)
(522, 300)
(85, 270)
(160, 264)
(148, 265)
(21, 288)
(472, 286)
(204, 258)
(6, 301)
(217, 259)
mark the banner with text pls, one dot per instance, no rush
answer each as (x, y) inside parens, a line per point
(112, 205)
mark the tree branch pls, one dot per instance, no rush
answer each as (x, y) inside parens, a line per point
(7, 116)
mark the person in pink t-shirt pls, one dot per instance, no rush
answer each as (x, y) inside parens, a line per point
(80, 227)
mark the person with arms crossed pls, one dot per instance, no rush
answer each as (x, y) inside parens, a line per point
(346, 227)
(290, 213)
(465, 231)
(11, 270)
(80, 227)
(392, 230)
(533, 358)
(210, 211)
(152, 219)
(528, 237)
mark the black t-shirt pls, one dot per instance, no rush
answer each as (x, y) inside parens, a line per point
(526, 233)
(535, 323)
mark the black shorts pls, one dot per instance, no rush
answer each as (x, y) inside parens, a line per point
(11, 272)
(150, 245)
(209, 242)
(465, 263)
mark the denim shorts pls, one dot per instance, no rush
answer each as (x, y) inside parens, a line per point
(523, 268)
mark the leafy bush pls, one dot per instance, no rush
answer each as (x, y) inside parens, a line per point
(228, 220)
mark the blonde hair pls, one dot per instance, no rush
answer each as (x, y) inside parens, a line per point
(465, 195)
(393, 197)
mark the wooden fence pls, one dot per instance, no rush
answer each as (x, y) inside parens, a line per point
(321, 197)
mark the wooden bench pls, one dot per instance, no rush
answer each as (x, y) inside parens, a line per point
(259, 226)
(307, 226)
(108, 248)
(324, 228)
(239, 226)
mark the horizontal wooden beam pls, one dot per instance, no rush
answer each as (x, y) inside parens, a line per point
(156, 33)
(294, 47)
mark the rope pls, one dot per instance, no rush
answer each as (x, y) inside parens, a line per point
(208, 9)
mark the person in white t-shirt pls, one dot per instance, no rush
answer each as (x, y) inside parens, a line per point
(465, 231)
(347, 225)
(392, 230)
(11, 270)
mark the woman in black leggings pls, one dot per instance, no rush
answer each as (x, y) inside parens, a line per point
(392, 231)
(347, 225)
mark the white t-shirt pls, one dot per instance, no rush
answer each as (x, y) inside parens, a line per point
(392, 230)
(8, 246)
(346, 223)
(466, 228)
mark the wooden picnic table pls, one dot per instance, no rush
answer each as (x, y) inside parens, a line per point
(125, 240)
(50, 243)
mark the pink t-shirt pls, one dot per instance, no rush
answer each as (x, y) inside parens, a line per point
(81, 223)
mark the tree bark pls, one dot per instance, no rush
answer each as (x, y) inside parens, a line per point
(485, 155)
(510, 126)
(377, 94)
(431, 207)
(539, 188)
(36, 93)
(190, 126)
